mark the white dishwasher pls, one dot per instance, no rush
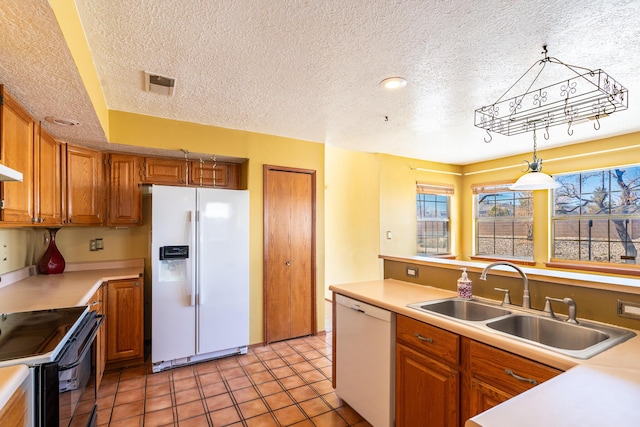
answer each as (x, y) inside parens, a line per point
(365, 359)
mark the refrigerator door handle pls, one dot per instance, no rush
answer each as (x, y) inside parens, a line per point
(199, 263)
(192, 281)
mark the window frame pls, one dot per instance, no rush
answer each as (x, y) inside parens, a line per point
(436, 190)
(607, 266)
(502, 188)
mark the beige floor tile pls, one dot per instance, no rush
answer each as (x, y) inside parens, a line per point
(135, 421)
(261, 377)
(210, 378)
(289, 415)
(252, 408)
(157, 403)
(313, 376)
(238, 383)
(292, 382)
(187, 396)
(303, 393)
(265, 420)
(127, 410)
(131, 384)
(231, 373)
(268, 388)
(214, 389)
(255, 368)
(283, 372)
(314, 407)
(129, 396)
(185, 383)
(159, 418)
(199, 421)
(218, 402)
(245, 394)
(278, 400)
(322, 387)
(158, 390)
(223, 417)
(190, 410)
(329, 419)
(351, 416)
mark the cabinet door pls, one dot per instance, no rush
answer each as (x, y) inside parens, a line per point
(48, 181)
(485, 396)
(16, 151)
(14, 412)
(165, 171)
(427, 391)
(125, 194)
(96, 303)
(85, 192)
(215, 174)
(125, 320)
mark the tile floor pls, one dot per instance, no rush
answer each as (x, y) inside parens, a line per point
(283, 384)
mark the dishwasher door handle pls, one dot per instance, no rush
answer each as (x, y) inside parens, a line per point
(358, 310)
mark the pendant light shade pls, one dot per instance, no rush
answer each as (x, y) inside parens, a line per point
(534, 180)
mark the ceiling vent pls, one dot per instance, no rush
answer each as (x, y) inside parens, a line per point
(159, 84)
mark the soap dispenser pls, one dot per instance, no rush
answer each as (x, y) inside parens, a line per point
(464, 286)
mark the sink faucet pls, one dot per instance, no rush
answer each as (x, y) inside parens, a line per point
(526, 299)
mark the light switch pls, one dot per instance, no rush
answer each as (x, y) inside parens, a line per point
(388, 235)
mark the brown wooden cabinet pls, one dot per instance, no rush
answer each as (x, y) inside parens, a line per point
(14, 413)
(125, 320)
(443, 379)
(48, 170)
(85, 186)
(124, 192)
(16, 151)
(214, 174)
(496, 375)
(427, 375)
(159, 170)
(96, 303)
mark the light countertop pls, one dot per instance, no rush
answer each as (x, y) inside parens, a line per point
(564, 400)
(71, 288)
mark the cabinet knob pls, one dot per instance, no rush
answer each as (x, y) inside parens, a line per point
(288, 263)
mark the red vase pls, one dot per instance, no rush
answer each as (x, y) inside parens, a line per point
(52, 261)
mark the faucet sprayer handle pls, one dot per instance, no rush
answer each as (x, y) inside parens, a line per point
(507, 295)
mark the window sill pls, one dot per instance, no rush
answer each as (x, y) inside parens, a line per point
(447, 256)
(511, 260)
(620, 269)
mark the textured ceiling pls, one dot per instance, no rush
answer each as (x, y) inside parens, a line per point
(310, 69)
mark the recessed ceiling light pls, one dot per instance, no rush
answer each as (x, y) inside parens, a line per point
(60, 121)
(393, 83)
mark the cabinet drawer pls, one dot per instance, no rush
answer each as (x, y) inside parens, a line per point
(500, 368)
(437, 342)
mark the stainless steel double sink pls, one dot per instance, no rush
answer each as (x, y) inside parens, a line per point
(583, 340)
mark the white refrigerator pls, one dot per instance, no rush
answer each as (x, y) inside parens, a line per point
(200, 274)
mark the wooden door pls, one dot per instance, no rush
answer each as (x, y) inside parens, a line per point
(289, 253)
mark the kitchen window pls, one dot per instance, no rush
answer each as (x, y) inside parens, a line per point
(596, 216)
(503, 222)
(433, 202)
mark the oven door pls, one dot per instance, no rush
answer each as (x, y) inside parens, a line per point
(65, 389)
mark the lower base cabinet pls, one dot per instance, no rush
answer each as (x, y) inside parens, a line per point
(443, 379)
(100, 346)
(125, 321)
(427, 392)
(14, 412)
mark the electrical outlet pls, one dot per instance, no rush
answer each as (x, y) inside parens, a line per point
(99, 244)
(92, 245)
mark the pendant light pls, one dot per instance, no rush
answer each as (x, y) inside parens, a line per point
(534, 178)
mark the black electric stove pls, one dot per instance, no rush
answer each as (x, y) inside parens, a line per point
(33, 337)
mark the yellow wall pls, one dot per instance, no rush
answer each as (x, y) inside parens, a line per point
(398, 179)
(352, 217)
(69, 21)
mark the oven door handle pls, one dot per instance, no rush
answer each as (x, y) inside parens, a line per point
(87, 344)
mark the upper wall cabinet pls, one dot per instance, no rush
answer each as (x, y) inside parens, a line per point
(124, 194)
(158, 170)
(47, 166)
(16, 152)
(214, 174)
(85, 189)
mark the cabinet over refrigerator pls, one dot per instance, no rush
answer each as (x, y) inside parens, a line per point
(200, 274)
